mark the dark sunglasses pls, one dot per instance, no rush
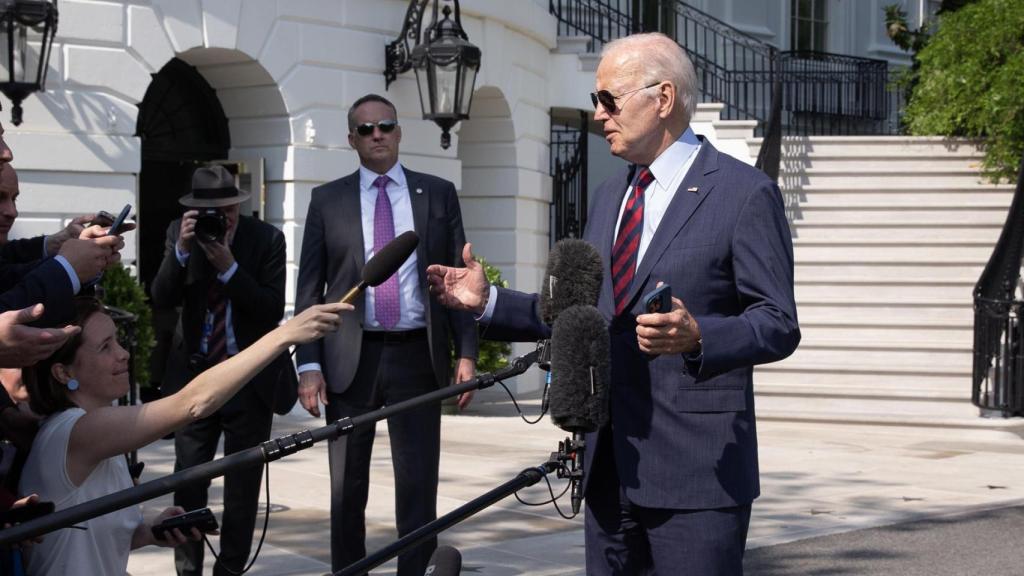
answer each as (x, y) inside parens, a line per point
(386, 127)
(606, 99)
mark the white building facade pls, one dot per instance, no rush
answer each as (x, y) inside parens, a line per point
(282, 74)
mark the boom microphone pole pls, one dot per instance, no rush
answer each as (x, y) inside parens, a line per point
(524, 479)
(266, 452)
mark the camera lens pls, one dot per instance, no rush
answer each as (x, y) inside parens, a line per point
(211, 225)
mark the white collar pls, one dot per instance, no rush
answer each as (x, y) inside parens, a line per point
(367, 177)
(674, 158)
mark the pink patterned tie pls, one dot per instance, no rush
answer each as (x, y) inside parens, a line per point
(385, 296)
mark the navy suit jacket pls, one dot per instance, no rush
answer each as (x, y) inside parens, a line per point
(682, 430)
(26, 279)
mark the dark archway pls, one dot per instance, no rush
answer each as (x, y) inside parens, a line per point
(181, 124)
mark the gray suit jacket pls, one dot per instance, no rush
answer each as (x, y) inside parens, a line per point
(332, 262)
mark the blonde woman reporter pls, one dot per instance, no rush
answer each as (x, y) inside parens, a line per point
(77, 454)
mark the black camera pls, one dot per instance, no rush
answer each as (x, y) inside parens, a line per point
(211, 225)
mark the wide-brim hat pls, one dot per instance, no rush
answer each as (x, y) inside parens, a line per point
(213, 187)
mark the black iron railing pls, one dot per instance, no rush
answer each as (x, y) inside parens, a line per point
(601, 20)
(835, 94)
(998, 383)
(568, 169)
(822, 93)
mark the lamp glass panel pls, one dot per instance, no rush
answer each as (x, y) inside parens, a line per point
(13, 68)
(447, 88)
(423, 83)
(468, 81)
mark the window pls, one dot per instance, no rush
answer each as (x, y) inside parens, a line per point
(810, 24)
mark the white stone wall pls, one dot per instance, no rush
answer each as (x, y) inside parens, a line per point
(285, 72)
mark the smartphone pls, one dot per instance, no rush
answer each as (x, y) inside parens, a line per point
(25, 513)
(202, 519)
(658, 300)
(115, 228)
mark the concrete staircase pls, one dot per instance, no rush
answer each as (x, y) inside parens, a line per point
(890, 234)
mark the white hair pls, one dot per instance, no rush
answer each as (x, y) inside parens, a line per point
(658, 58)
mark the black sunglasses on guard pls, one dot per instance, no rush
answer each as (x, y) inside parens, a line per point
(608, 100)
(385, 126)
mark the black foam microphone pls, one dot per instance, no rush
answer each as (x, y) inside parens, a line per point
(384, 263)
(445, 561)
(573, 277)
(581, 372)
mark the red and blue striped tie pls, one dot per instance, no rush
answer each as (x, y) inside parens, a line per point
(627, 242)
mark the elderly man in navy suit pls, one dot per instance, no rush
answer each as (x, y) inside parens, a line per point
(671, 479)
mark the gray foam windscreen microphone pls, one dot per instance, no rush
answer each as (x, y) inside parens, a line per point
(573, 277)
(445, 561)
(580, 369)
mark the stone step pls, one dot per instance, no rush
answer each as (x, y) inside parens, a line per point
(874, 146)
(863, 315)
(900, 388)
(967, 420)
(572, 44)
(734, 129)
(966, 255)
(937, 177)
(814, 376)
(895, 361)
(796, 163)
(874, 216)
(959, 338)
(944, 415)
(813, 339)
(898, 235)
(909, 273)
(896, 294)
(708, 112)
(904, 198)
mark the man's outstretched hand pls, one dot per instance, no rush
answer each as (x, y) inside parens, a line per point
(460, 288)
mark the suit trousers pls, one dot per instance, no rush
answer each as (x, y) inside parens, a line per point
(388, 372)
(624, 539)
(245, 422)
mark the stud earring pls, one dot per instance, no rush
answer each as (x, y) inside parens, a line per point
(72, 385)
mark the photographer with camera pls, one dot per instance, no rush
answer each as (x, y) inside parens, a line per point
(227, 272)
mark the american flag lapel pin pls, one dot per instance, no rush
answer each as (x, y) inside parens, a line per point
(692, 189)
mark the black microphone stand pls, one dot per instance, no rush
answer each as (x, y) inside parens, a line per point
(526, 478)
(269, 451)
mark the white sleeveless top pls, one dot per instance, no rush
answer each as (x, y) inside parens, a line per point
(104, 547)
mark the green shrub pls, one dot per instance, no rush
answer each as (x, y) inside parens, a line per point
(492, 355)
(121, 290)
(971, 82)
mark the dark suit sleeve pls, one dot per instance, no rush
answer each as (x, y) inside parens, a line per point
(166, 290)
(516, 318)
(11, 274)
(259, 294)
(23, 250)
(462, 324)
(312, 273)
(762, 260)
(49, 284)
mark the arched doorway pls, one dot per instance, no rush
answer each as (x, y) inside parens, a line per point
(181, 124)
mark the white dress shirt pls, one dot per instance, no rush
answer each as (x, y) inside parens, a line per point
(412, 313)
(669, 170)
(411, 308)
